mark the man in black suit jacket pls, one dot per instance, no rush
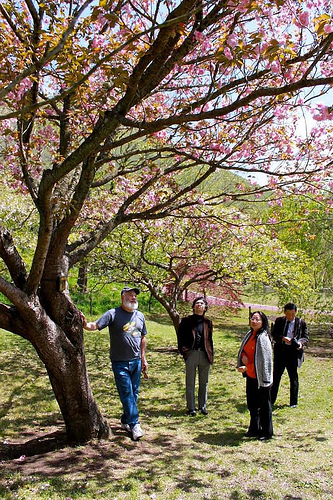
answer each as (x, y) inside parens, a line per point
(195, 343)
(290, 335)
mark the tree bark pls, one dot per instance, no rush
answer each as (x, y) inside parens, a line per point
(53, 325)
(65, 362)
(64, 358)
(66, 366)
(82, 280)
(72, 390)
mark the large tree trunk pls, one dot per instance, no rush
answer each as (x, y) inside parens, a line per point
(66, 366)
(56, 333)
(64, 358)
(71, 386)
(46, 317)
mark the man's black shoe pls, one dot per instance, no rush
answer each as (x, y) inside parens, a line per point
(264, 438)
(192, 413)
(204, 411)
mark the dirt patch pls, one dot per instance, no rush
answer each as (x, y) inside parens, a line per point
(320, 351)
(49, 456)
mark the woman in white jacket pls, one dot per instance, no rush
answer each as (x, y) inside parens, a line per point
(255, 363)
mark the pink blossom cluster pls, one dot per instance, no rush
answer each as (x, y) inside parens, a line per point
(322, 112)
(264, 44)
(189, 296)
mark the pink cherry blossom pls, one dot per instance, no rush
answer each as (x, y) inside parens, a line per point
(232, 40)
(322, 112)
(304, 18)
(228, 53)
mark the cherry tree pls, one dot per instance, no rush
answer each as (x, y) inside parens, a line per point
(200, 253)
(104, 103)
(169, 257)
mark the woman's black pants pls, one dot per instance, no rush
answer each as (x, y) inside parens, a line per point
(260, 408)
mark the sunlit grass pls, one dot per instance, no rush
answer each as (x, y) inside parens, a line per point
(180, 457)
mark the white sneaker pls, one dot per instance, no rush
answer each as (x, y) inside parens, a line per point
(126, 427)
(137, 432)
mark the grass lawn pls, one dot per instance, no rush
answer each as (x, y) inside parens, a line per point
(179, 457)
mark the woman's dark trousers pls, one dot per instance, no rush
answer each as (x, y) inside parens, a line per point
(260, 408)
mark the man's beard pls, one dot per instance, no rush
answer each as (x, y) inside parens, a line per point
(132, 306)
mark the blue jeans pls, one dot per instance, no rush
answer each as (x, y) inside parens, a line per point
(127, 376)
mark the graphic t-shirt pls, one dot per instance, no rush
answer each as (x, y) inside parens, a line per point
(125, 329)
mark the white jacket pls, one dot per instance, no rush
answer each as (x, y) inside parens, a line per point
(263, 358)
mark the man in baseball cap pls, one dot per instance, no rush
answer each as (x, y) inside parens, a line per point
(128, 289)
(127, 329)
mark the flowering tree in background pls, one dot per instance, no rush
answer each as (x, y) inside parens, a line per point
(173, 256)
(201, 254)
(102, 105)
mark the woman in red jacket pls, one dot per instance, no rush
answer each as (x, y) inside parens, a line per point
(255, 363)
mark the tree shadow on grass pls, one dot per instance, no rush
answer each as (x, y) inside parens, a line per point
(30, 400)
(240, 407)
(6, 407)
(113, 465)
(229, 437)
(280, 406)
(169, 413)
(36, 446)
(251, 494)
(50, 442)
(51, 456)
(257, 494)
(188, 484)
(166, 350)
(53, 460)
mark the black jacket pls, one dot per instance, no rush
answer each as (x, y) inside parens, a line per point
(186, 336)
(300, 332)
